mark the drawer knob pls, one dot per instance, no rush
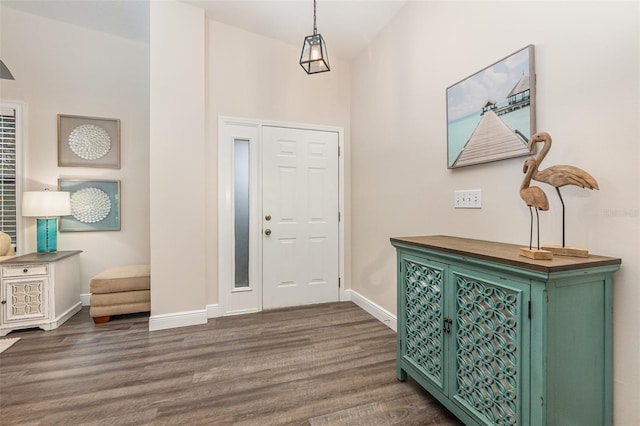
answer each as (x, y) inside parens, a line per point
(25, 270)
(4, 302)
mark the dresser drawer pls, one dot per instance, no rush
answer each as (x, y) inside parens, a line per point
(25, 270)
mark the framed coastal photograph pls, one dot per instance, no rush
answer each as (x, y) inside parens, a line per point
(491, 114)
(95, 205)
(88, 141)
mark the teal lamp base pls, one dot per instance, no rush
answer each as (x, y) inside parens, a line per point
(47, 235)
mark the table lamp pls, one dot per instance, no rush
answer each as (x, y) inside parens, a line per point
(46, 206)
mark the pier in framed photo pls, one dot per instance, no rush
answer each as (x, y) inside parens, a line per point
(491, 114)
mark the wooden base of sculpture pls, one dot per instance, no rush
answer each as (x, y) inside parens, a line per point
(536, 254)
(567, 251)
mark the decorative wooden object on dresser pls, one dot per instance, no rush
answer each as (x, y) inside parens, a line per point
(503, 339)
(39, 290)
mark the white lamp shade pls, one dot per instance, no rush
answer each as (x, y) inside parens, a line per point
(46, 203)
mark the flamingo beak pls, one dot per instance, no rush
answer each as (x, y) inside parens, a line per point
(532, 142)
(525, 167)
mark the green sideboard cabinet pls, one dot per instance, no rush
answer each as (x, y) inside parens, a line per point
(501, 339)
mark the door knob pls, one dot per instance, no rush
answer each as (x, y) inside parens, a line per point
(267, 232)
(267, 217)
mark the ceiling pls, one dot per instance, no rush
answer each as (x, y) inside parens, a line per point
(347, 25)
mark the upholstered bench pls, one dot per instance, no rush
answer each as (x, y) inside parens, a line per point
(120, 290)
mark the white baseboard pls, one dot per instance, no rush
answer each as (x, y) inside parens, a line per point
(240, 312)
(185, 319)
(178, 319)
(57, 322)
(381, 314)
(85, 299)
(345, 295)
(214, 311)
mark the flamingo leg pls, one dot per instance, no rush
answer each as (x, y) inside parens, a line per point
(562, 201)
(538, 227)
(530, 230)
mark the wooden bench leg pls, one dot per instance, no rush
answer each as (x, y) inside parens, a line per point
(100, 320)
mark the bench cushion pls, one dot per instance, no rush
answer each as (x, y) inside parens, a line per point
(123, 297)
(125, 308)
(122, 278)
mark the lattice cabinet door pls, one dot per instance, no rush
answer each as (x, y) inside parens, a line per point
(500, 339)
(422, 309)
(490, 348)
(24, 300)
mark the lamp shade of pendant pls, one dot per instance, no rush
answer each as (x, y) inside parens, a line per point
(314, 58)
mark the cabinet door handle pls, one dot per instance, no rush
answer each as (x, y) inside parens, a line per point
(446, 326)
(25, 270)
(4, 302)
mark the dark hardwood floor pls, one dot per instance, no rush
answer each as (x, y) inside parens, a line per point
(330, 364)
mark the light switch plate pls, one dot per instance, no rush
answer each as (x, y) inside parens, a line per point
(467, 199)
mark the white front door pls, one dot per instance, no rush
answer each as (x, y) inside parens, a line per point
(299, 217)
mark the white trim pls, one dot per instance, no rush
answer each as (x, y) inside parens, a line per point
(346, 294)
(251, 297)
(57, 322)
(179, 319)
(21, 141)
(381, 314)
(225, 221)
(241, 312)
(214, 311)
(85, 299)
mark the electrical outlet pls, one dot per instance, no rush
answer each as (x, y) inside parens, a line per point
(467, 199)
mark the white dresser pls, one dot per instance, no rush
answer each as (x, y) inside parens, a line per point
(39, 290)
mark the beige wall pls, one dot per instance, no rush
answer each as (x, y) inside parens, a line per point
(587, 57)
(65, 69)
(177, 160)
(245, 77)
(251, 76)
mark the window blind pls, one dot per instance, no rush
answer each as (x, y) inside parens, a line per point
(8, 210)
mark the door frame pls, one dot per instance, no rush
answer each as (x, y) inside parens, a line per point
(226, 271)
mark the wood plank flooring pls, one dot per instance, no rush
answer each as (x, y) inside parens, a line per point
(329, 364)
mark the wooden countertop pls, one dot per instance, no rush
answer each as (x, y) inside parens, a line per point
(504, 253)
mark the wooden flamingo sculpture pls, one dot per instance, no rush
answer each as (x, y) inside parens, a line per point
(559, 176)
(534, 197)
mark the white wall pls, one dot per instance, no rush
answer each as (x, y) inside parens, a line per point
(255, 77)
(587, 58)
(65, 69)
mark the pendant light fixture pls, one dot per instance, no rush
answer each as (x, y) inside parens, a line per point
(314, 58)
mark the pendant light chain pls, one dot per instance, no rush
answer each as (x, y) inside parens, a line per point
(315, 29)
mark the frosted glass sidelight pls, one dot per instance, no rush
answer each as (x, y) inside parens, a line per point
(241, 212)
